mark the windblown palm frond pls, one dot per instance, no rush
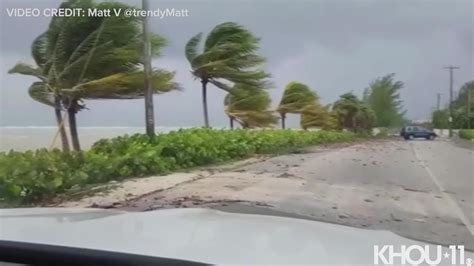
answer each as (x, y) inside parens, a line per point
(25, 69)
(254, 119)
(124, 86)
(40, 92)
(86, 57)
(296, 97)
(221, 85)
(39, 50)
(249, 106)
(191, 49)
(353, 114)
(229, 54)
(317, 116)
(365, 118)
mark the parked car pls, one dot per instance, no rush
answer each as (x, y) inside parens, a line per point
(411, 132)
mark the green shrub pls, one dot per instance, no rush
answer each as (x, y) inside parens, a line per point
(466, 133)
(33, 176)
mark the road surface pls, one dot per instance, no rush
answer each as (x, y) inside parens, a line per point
(418, 189)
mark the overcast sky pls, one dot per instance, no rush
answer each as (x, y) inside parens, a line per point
(334, 46)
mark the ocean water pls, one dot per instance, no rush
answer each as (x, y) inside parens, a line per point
(28, 138)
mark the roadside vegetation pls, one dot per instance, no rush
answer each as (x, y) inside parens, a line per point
(462, 110)
(466, 134)
(35, 176)
(383, 97)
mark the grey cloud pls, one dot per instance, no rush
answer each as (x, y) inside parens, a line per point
(333, 45)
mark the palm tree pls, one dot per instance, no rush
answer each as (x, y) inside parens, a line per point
(352, 114)
(228, 54)
(93, 58)
(365, 119)
(149, 112)
(249, 107)
(346, 109)
(296, 97)
(317, 116)
(42, 91)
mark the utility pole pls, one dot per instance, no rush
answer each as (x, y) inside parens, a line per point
(149, 113)
(438, 102)
(451, 68)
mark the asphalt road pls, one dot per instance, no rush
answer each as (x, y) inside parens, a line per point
(418, 189)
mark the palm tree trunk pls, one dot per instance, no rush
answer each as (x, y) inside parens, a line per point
(231, 122)
(149, 113)
(60, 122)
(71, 110)
(204, 102)
(283, 121)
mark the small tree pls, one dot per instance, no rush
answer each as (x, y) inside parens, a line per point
(249, 107)
(365, 119)
(296, 98)
(463, 106)
(383, 96)
(346, 109)
(352, 114)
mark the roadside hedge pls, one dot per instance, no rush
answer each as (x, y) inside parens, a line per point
(466, 133)
(34, 176)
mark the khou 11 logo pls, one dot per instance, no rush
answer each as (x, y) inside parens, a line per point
(417, 254)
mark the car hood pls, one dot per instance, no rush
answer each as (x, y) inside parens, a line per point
(200, 235)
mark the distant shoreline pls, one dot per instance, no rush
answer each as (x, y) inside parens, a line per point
(6, 127)
(23, 138)
(37, 137)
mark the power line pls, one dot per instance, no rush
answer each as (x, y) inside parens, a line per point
(451, 68)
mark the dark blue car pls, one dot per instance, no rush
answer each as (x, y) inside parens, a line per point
(411, 132)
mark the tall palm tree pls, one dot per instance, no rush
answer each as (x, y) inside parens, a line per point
(296, 97)
(149, 110)
(94, 58)
(228, 55)
(249, 107)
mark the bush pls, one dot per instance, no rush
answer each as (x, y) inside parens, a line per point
(466, 133)
(32, 176)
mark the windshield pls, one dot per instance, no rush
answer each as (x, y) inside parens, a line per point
(170, 119)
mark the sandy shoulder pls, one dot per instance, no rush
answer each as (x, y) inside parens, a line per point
(115, 193)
